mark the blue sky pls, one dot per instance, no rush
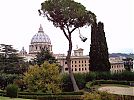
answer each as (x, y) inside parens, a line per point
(19, 21)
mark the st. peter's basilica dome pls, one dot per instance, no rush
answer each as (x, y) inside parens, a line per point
(40, 37)
(40, 41)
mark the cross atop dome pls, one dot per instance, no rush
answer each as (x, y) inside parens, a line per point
(41, 29)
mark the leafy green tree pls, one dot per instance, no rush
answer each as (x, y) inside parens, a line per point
(45, 78)
(99, 57)
(68, 15)
(44, 55)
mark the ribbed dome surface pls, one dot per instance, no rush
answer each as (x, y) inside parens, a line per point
(40, 37)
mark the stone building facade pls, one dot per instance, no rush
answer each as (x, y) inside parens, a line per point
(79, 62)
(117, 65)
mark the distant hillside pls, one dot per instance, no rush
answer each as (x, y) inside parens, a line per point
(121, 55)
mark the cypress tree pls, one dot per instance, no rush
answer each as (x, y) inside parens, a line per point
(99, 57)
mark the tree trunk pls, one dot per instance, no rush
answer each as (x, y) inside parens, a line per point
(69, 65)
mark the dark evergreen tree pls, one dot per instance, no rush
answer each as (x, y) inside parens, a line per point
(12, 66)
(10, 62)
(44, 55)
(99, 57)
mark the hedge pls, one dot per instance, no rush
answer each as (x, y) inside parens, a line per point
(98, 82)
(52, 97)
(46, 96)
(40, 94)
(83, 78)
(61, 97)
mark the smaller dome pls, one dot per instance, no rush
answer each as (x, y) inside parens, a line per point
(40, 37)
(23, 52)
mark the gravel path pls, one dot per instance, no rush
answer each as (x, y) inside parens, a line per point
(118, 90)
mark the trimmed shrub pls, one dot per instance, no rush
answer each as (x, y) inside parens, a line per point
(12, 91)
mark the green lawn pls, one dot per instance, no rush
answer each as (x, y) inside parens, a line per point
(7, 98)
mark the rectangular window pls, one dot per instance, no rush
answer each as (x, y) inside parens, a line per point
(66, 69)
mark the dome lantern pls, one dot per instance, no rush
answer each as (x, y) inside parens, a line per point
(40, 29)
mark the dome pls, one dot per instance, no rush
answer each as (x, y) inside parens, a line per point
(40, 37)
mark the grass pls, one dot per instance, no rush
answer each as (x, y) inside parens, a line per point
(7, 98)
